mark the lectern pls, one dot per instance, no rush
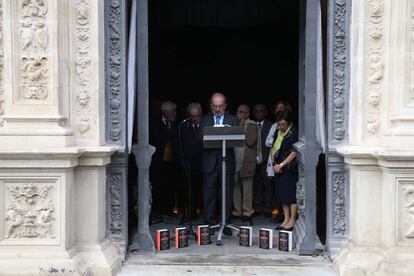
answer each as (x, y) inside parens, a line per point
(223, 137)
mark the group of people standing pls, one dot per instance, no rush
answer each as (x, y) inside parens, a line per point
(260, 177)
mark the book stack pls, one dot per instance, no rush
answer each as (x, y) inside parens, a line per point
(181, 237)
(203, 235)
(163, 239)
(245, 236)
(285, 240)
(265, 238)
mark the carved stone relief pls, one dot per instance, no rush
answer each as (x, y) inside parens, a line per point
(114, 55)
(339, 65)
(33, 41)
(300, 195)
(1, 65)
(408, 197)
(339, 215)
(84, 107)
(375, 65)
(409, 96)
(114, 182)
(30, 211)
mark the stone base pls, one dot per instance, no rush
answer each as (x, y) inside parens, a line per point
(102, 259)
(354, 261)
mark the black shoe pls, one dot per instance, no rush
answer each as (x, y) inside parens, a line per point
(279, 228)
(244, 218)
(233, 217)
(267, 215)
(286, 229)
(156, 220)
(227, 231)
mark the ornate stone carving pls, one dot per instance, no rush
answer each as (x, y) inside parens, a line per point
(339, 67)
(339, 214)
(114, 62)
(409, 96)
(114, 186)
(33, 42)
(409, 206)
(375, 64)
(83, 67)
(1, 65)
(300, 195)
(30, 212)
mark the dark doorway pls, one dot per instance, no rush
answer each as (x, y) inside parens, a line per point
(247, 50)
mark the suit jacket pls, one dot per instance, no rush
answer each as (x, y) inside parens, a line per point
(192, 146)
(212, 157)
(159, 134)
(248, 165)
(265, 131)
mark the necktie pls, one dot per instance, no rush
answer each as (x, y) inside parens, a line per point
(217, 120)
(259, 144)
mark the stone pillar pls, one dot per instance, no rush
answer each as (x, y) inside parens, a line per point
(380, 154)
(52, 154)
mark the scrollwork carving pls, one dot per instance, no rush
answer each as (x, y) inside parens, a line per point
(375, 65)
(114, 81)
(84, 109)
(339, 214)
(114, 185)
(339, 66)
(33, 42)
(30, 212)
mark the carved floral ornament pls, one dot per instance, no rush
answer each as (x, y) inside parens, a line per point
(30, 212)
(83, 66)
(33, 41)
(409, 206)
(376, 65)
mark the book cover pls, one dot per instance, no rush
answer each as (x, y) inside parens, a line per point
(181, 237)
(203, 235)
(265, 238)
(285, 240)
(245, 236)
(163, 239)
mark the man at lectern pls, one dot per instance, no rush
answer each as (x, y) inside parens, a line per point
(212, 163)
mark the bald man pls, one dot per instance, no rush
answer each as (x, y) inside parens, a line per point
(212, 166)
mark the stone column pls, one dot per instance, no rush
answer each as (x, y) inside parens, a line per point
(52, 154)
(380, 154)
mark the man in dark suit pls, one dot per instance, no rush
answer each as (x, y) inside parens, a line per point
(164, 166)
(263, 195)
(192, 158)
(212, 162)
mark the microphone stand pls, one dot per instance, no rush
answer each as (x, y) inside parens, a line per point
(186, 166)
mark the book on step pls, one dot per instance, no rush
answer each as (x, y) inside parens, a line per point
(163, 239)
(203, 235)
(245, 236)
(265, 238)
(181, 237)
(285, 240)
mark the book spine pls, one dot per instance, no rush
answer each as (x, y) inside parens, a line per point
(158, 240)
(198, 236)
(176, 238)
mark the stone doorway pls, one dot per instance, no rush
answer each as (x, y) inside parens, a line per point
(337, 23)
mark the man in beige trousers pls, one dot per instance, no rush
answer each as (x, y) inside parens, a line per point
(245, 167)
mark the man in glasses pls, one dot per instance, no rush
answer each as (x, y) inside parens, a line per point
(212, 166)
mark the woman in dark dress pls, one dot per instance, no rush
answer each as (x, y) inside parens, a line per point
(285, 166)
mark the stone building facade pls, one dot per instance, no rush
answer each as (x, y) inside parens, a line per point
(63, 137)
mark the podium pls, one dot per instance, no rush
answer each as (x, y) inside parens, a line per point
(223, 137)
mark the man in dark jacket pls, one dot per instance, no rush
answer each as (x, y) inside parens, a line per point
(164, 165)
(192, 157)
(263, 188)
(212, 162)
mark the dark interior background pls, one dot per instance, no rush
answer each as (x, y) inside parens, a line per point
(246, 49)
